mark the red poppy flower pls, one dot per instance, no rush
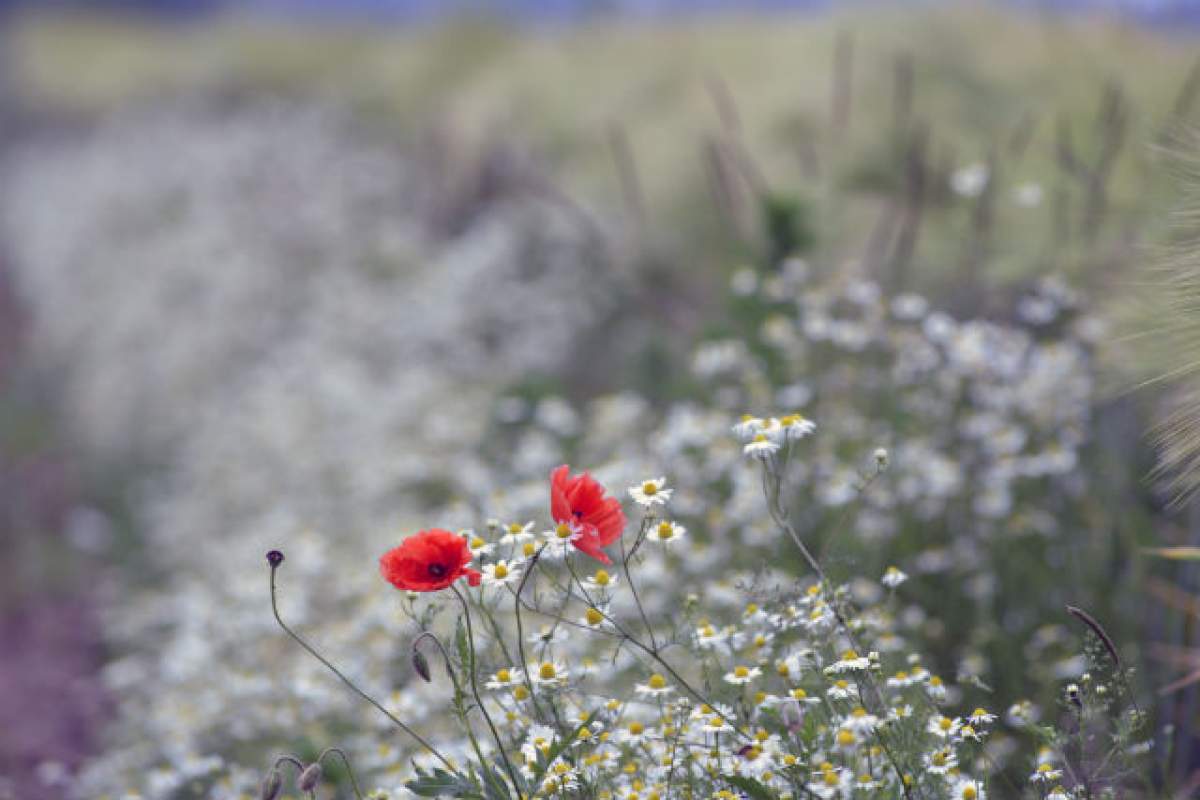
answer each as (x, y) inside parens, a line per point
(428, 561)
(579, 501)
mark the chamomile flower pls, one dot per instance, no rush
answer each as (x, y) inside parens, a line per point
(652, 492)
(516, 532)
(667, 532)
(655, 686)
(893, 577)
(593, 617)
(1058, 793)
(849, 662)
(548, 673)
(981, 717)
(479, 546)
(943, 727)
(796, 426)
(600, 581)
(940, 761)
(760, 447)
(747, 427)
(1045, 773)
(967, 789)
(560, 538)
(860, 721)
(633, 734)
(841, 690)
(803, 697)
(741, 675)
(708, 636)
(505, 678)
(830, 781)
(500, 573)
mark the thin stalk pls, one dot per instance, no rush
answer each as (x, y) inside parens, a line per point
(479, 700)
(349, 683)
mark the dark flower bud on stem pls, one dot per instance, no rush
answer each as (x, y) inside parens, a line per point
(421, 665)
(274, 558)
(271, 786)
(309, 778)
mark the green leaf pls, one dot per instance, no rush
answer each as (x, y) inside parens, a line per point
(464, 647)
(750, 787)
(494, 785)
(440, 783)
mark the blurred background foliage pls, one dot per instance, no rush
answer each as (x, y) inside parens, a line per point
(962, 151)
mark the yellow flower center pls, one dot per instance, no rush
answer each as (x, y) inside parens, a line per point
(859, 712)
(945, 724)
(760, 437)
(979, 712)
(939, 758)
(594, 617)
(849, 655)
(528, 548)
(601, 578)
(477, 543)
(845, 738)
(657, 681)
(741, 672)
(665, 530)
(799, 694)
(520, 693)
(636, 728)
(547, 671)
(842, 685)
(649, 488)
(831, 778)
(969, 792)
(501, 570)
(563, 531)
(504, 676)
(515, 528)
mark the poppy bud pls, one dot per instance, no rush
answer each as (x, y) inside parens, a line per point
(421, 665)
(274, 558)
(309, 778)
(271, 786)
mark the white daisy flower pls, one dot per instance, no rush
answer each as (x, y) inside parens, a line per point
(601, 581)
(747, 427)
(849, 662)
(505, 679)
(796, 426)
(893, 577)
(516, 532)
(740, 675)
(548, 673)
(940, 761)
(1045, 773)
(842, 690)
(981, 717)
(943, 727)
(479, 546)
(560, 538)
(655, 686)
(760, 447)
(968, 789)
(667, 532)
(652, 492)
(500, 573)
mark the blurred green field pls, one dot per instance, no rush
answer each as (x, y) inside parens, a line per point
(984, 82)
